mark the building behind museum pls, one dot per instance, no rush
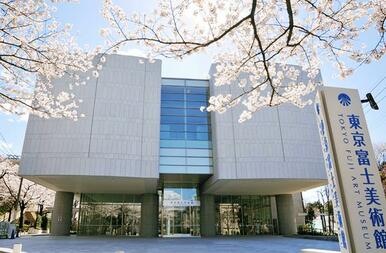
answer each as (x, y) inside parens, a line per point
(146, 161)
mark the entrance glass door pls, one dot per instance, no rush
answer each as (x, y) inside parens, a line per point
(180, 212)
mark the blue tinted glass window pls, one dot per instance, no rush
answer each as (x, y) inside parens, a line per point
(198, 128)
(199, 161)
(173, 97)
(196, 112)
(197, 90)
(174, 82)
(173, 104)
(197, 83)
(198, 144)
(172, 169)
(172, 127)
(173, 111)
(172, 160)
(198, 136)
(199, 152)
(185, 136)
(197, 120)
(196, 97)
(195, 104)
(172, 136)
(172, 89)
(172, 144)
(172, 119)
(172, 152)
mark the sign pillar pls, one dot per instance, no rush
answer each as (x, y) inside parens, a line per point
(353, 177)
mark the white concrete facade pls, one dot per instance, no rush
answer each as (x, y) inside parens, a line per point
(115, 148)
(276, 152)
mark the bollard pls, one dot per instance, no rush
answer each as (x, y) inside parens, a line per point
(16, 248)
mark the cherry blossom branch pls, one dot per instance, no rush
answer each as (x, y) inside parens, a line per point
(258, 37)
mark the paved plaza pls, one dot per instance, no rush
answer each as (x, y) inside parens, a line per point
(262, 244)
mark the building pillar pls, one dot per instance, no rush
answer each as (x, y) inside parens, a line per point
(149, 215)
(62, 213)
(207, 215)
(286, 214)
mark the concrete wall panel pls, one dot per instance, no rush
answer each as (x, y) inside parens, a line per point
(277, 143)
(119, 135)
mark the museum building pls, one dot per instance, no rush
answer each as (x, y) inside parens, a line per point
(145, 161)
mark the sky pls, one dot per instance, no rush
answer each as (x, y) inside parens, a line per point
(87, 22)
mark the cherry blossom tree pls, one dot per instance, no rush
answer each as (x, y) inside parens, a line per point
(22, 192)
(6, 166)
(6, 202)
(380, 154)
(35, 50)
(257, 37)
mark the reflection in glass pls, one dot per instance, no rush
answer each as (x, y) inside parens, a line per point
(243, 215)
(196, 97)
(180, 212)
(197, 120)
(172, 135)
(195, 104)
(185, 127)
(196, 90)
(173, 97)
(198, 128)
(172, 104)
(197, 83)
(109, 214)
(172, 89)
(173, 82)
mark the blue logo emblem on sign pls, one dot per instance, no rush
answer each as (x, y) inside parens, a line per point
(344, 99)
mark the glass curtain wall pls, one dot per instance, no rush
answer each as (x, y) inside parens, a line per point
(109, 214)
(243, 215)
(185, 145)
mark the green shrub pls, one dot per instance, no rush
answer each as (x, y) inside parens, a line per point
(25, 227)
(44, 223)
(308, 229)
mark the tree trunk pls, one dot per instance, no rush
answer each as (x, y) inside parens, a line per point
(10, 214)
(333, 224)
(21, 219)
(329, 224)
(323, 219)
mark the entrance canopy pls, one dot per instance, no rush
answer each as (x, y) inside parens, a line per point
(97, 184)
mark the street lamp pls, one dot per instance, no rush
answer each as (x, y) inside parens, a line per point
(370, 99)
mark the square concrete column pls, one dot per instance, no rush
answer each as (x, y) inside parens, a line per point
(149, 215)
(62, 213)
(207, 215)
(286, 214)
